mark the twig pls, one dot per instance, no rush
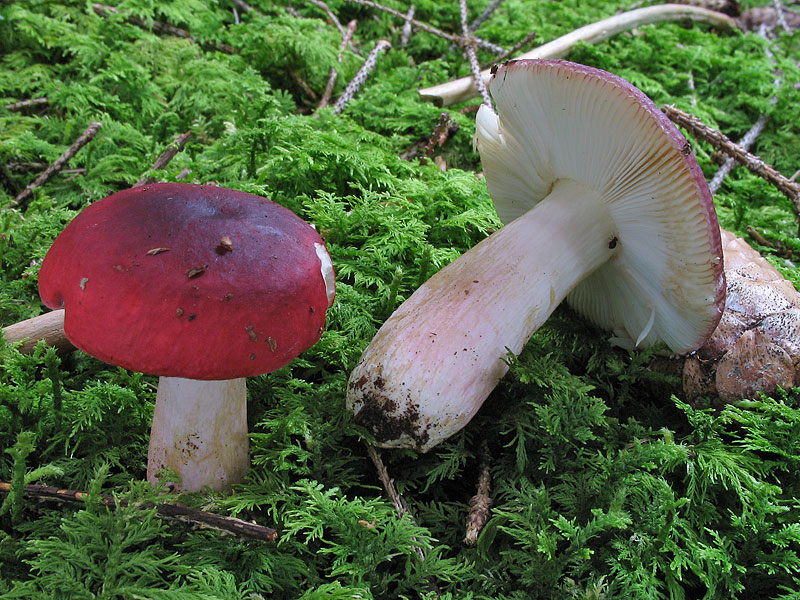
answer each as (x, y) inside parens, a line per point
(721, 142)
(749, 137)
(429, 28)
(405, 34)
(780, 249)
(351, 89)
(444, 127)
(777, 5)
(301, 82)
(48, 326)
(462, 89)
(388, 484)
(159, 27)
(329, 13)
(481, 502)
(348, 35)
(230, 525)
(517, 47)
(165, 157)
(59, 163)
(246, 7)
(472, 55)
(23, 104)
(487, 12)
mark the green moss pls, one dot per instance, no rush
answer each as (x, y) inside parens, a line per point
(604, 485)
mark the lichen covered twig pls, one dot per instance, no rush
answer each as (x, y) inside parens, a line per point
(363, 73)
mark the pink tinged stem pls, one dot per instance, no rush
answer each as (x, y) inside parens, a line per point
(436, 359)
(200, 431)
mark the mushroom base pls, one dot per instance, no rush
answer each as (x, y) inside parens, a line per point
(200, 431)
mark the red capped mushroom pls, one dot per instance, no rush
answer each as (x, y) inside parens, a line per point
(203, 286)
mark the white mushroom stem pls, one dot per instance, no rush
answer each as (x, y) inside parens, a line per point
(437, 358)
(459, 90)
(200, 431)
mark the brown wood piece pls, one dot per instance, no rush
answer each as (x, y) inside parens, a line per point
(48, 327)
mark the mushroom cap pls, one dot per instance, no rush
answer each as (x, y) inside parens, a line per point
(190, 281)
(561, 120)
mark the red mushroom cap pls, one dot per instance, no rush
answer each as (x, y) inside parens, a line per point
(189, 281)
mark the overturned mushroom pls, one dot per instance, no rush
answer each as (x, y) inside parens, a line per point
(200, 285)
(605, 206)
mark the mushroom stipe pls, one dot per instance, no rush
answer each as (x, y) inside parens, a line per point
(603, 207)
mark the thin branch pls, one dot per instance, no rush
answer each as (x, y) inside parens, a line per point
(301, 83)
(329, 13)
(517, 47)
(481, 502)
(487, 12)
(429, 28)
(59, 163)
(780, 249)
(752, 135)
(246, 7)
(363, 74)
(442, 131)
(405, 35)
(777, 5)
(395, 498)
(48, 326)
(165, 157)
(472, 55)
(721, 142)
(160, 27)
(23, 104)
(346, 38)
(463, 89)
(208, 520)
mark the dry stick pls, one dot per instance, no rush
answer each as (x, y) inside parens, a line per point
(721, 142)
(163, 510)
(440, 134)
(246, 7)
(363, 73)
(346, 38)
(487, 12)
(481, 502)
(388, 484)
(48, 327)
(780, 17)
(301, 82)
(23, 104)
(472, 55)
(517, 47)
(159, 27)
(53, 169)
(780, 249)
(462, 89)
(329, 12)
(751, 135)
(429, 28)
(165, 157)
(405, 35)
(444, 128)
